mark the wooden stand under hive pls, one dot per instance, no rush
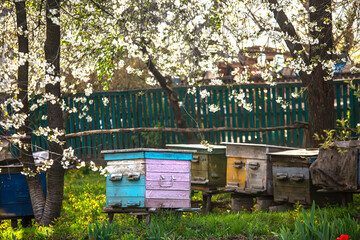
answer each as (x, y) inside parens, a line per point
(292, 181)
(147, 178)
(249, 172)
(208, 169)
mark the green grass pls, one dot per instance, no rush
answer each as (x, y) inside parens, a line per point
(84, 199)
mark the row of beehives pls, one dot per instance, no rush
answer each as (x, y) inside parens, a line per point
(161, 178)
(260, 170)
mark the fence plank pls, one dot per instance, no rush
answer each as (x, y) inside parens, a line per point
(216, 116)
(338, 101)
(113, 119)
(93, 147)
(210, 117)
(281, 117)
(161, 114)
(77, 129)
(300, 116)
(97, 117)
(166, 117)
(251, 113)
(257, 114)
(233, 115)
(150, 109)
(263, 114)
(345, 102)
(135, 119)
(241, 115)
(274, 115)
(269, 117)
(119, 119)
(227, 107)
(294, 109)
(129, 120)
(87, 127)
(221, 115)
(355, 108)
(288, 116)
(173, 135)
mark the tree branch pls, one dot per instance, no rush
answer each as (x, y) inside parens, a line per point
(182, 130)
(348, 34)
(288, 28)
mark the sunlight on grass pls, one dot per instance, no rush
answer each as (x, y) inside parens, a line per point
(84, 199)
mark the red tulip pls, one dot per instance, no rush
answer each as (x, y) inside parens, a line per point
(343, 237)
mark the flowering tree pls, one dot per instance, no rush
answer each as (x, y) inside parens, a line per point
(45, 211)
(315, 33)
(171, 38)
(40, 62)
(25, 130)
(188, 38)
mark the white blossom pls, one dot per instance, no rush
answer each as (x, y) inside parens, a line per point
(88, 90)
(151, 81)
(89, 119)
(214, 108)
(191, 90)
(216, 82)
(33, 107)
(207, 145)
(204, 93)
(105, 101)
(295, 95)
(81, 165)
(28, 172)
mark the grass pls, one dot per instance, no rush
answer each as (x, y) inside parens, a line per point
(84, 198)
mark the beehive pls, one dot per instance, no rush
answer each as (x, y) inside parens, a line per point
(208, 168)
(292, 181)
(14, 192)
(148, 178)
(249, 167)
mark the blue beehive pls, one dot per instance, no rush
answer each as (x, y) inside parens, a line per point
(14, 192)
(148, 178)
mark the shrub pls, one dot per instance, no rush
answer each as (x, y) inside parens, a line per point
(101, 231)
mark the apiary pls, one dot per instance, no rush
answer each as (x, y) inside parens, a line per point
(249, 167)
(208, 168)
(15, 199)
(148, 178)
(292, 180)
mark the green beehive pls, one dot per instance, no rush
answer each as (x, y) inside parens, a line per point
(208, 168)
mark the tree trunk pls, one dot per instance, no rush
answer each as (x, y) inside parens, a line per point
(320, 102)
(34, 184)
(55, 175)
(173, 101)
(320, 92)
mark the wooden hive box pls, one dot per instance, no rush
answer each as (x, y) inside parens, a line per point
(148, 178)
(292, 181)
(208, 169)
(249, 167)
(15, 199)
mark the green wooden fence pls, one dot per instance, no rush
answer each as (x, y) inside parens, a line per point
(150, 108)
